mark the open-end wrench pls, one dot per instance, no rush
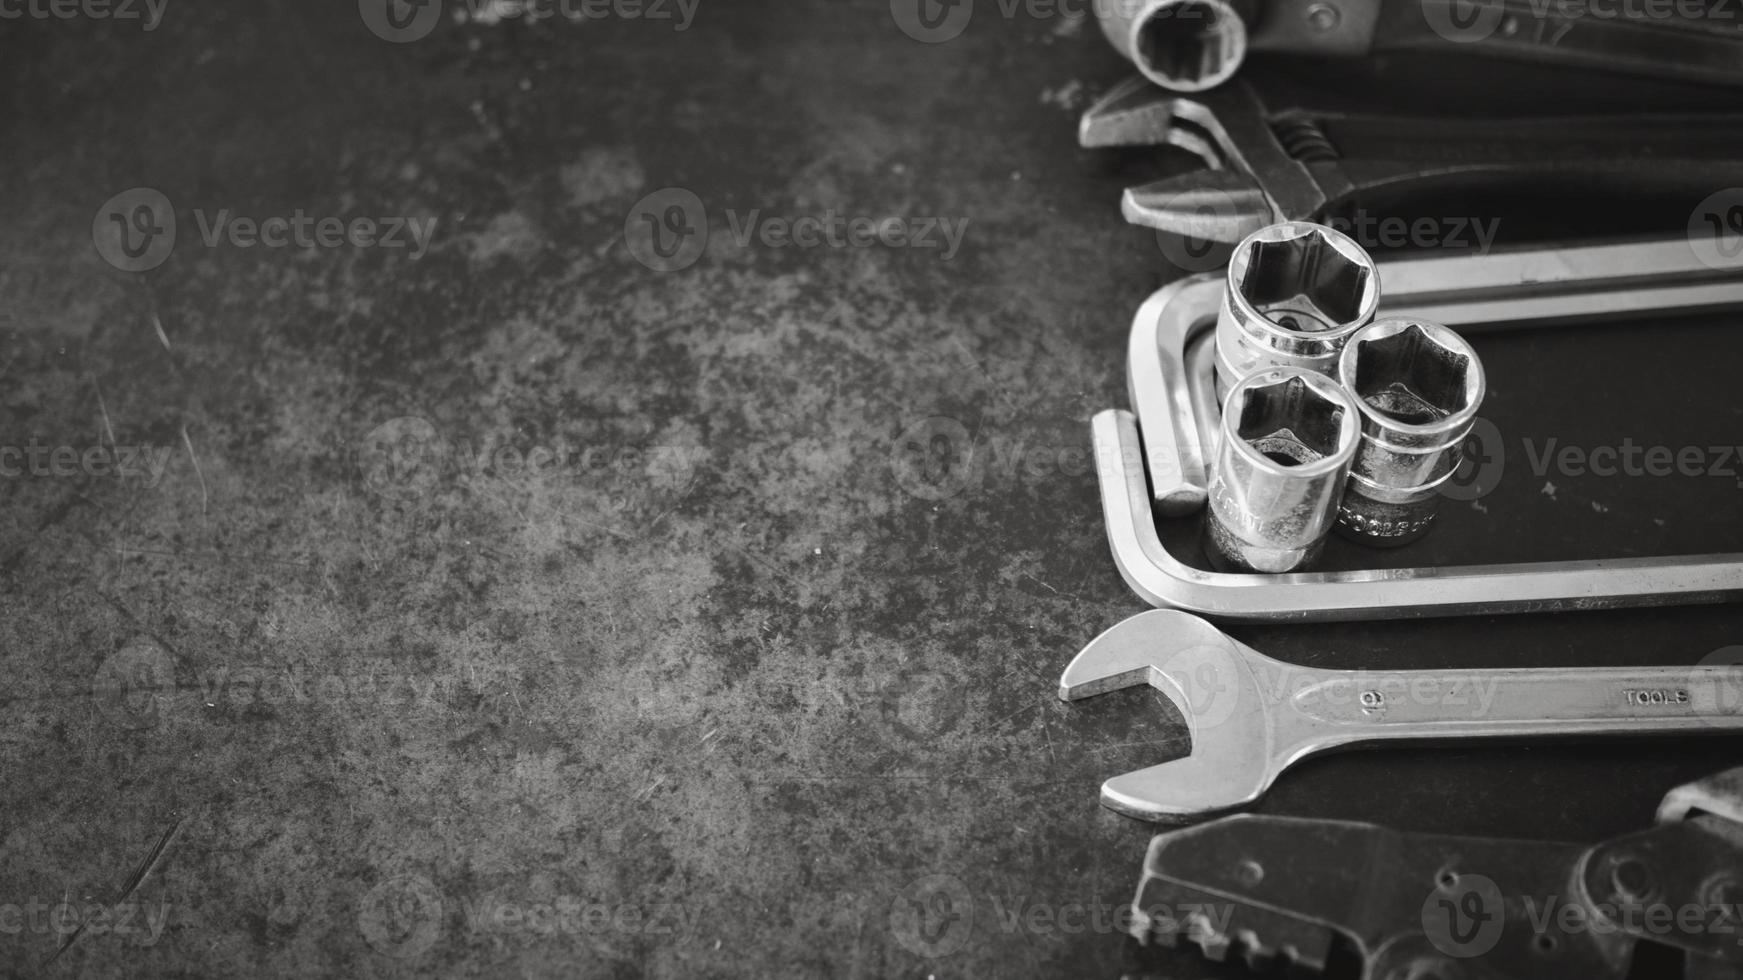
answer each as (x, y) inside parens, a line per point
(1251, 717)
(1268, 165)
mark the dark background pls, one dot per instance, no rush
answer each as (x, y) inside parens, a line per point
(774, 690)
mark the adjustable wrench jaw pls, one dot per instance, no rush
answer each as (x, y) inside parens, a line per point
(1253, 181)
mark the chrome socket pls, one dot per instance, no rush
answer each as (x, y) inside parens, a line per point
(1181, 45)
(1289, 437)
(1296, 293)
(1418, 386)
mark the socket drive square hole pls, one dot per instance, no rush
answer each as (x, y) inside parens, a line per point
(1191, 44)
(1289, 423)
(1305, 283)
(1411, 377)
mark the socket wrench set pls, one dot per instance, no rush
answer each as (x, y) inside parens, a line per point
(1295, 396)
(1308, 390)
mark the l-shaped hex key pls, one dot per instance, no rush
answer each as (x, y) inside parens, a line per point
(1399, 593)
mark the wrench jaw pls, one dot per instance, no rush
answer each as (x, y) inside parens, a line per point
(1185, 790)
(1221, 688)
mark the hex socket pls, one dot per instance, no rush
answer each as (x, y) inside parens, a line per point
(1282, 461)
(1181, 45)
(1296, 294)
(1418, 387)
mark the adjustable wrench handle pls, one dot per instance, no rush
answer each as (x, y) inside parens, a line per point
(1361, 706)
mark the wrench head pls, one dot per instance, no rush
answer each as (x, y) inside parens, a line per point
(1224, 690)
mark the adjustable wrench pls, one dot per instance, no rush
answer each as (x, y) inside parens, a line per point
(1268, 165)
(1251, 716)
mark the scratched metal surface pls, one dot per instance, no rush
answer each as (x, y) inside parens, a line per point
(518, 609)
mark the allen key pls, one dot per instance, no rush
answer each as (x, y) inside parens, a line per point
(1400, 593)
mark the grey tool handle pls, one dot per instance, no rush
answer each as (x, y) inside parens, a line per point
(1523, 702)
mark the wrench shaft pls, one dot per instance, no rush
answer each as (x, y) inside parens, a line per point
(1521, 702)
